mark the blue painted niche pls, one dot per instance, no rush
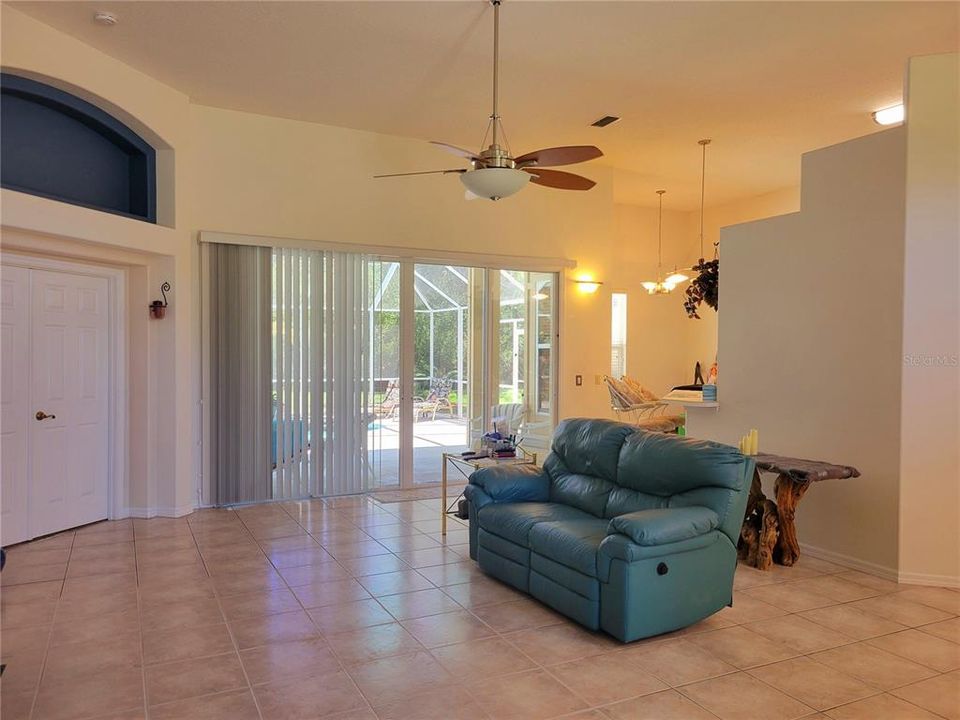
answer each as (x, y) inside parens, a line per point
(55, 145)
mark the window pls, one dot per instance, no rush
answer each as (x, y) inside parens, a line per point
(618, 334)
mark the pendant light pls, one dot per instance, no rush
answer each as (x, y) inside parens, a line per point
(663, 285)
(703, 182)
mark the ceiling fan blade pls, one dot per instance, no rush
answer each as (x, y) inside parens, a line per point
(469, 154)
(422, 172)
(549, 157)
(559, 179)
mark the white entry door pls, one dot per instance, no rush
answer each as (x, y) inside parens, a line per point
(55, 401)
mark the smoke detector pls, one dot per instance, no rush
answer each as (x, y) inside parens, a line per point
(107, 19)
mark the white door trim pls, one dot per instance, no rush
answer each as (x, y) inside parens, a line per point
(117, 372)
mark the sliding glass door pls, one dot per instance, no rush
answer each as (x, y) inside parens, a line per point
(332, 373)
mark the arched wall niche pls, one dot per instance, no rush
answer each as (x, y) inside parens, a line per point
(61, 142)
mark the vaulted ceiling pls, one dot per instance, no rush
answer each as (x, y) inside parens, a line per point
(766, 81)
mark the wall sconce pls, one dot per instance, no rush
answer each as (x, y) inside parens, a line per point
(587, 285)
(158, 308)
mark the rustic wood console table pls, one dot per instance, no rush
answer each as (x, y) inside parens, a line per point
(769, 534)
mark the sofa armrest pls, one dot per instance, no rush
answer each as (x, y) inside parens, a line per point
(513, 483)
(664, 525)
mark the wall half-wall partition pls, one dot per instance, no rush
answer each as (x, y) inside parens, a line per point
(328, 372)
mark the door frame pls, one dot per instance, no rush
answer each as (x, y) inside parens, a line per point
(117, 505)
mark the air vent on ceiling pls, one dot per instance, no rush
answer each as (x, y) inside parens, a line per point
(605, 120)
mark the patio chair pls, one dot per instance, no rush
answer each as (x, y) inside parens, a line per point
(389, 406)
(634, 403)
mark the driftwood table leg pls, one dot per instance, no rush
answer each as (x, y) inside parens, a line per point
(769, 530)
(788, 496)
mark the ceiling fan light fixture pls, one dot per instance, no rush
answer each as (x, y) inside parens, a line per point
(494, 183)
(889, 116)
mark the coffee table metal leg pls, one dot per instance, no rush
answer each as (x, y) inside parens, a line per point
(443, 495)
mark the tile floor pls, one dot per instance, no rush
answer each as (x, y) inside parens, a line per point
(354, 609)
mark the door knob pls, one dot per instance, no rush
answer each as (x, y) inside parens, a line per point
(41, 415)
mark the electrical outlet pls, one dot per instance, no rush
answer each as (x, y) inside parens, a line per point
(579, 380)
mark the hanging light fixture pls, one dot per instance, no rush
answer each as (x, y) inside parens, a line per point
(705, 285)
(662, 285)
(703, 183)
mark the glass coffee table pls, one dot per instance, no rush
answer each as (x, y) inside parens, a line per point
(465, 466)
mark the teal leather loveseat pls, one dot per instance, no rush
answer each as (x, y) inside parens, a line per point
(624, 530)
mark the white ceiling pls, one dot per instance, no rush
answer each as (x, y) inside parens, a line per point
(767, 81)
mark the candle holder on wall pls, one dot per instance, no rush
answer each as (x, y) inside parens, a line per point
(158, 308)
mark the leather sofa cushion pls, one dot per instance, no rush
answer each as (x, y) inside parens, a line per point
(513, 521)
(572, 543)
(586, 492)
(590, 447)
(665, 465)
(665, 525)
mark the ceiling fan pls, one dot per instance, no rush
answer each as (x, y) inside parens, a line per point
(494, 173)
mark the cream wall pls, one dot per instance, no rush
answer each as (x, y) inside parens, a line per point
(930, 433)
(810, 330)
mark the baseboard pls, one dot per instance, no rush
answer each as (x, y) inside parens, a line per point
(908, 578)
(152, 512)
(904, 578)
(849, 561)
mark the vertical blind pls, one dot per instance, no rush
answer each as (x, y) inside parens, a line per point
(238, 297)
(289, 373)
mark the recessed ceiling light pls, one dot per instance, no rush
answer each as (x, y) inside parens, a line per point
(889, 116)
(101, 17)
(605, 120)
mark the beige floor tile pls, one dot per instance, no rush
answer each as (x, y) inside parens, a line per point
(349, 616)
(283, 661)
(244, 582)
(314, 574)
(451, 573)
(517, 615)
(742, 648)
(447, 628)
(409, 539)
(666, 705)
(560, 643)
(940, 695)
(873, 666)
(102, 657)
(27, 572)
(742, 697)
(899, 610)
(746, 609)
(299, 558)
(258, 604)
(185, 643)
(444, 704)
(291, 699)
(94, 628)
(233, 705)
(798, 633)
(373, 565)
(792, 597)
(482, 591)
(852, 622)
(152, 577)
(116, 551)
(191, 678)
(872, 581)
(428, 557)
(178, 592)
(813, 684)
(941, 655)
(531, 695)
(946, 629)
(90, 696)
(395, 582)
(16, 705)
(602, 679)
(839, 589)
(81, 568)
(405, 606)
(286, 627)
(38, 612)
(31, 592)
(334, 592)
(880, 707)
(96, 586)
(187, 614)
(678, 661)
(482, 658)
(748, 577)
(24, 641)
(372, 643)
(365, 548)
(394, 678)
(941, 598)
(22, 672)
